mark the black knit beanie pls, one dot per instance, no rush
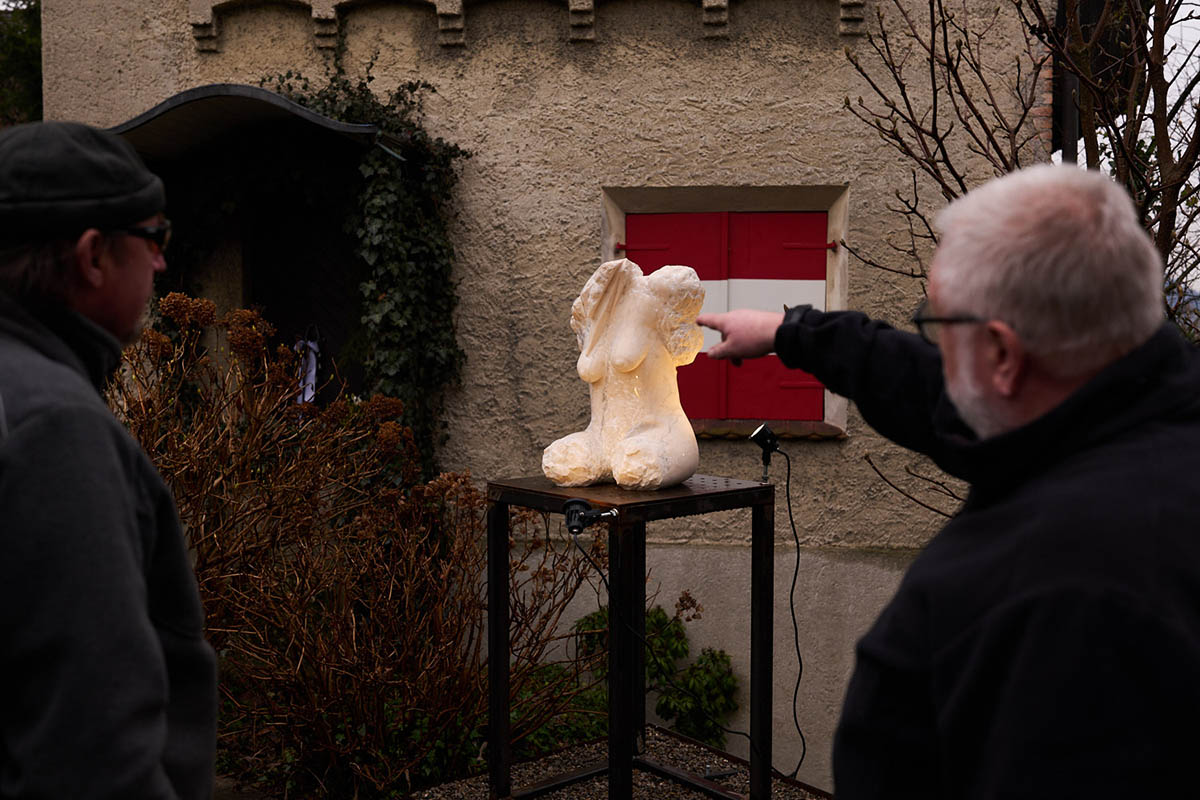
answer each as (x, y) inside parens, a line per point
(59, 178)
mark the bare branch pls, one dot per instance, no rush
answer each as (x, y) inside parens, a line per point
(906, 494)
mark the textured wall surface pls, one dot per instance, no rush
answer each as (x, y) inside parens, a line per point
(552, 123)
(649, 103)
(652, 99)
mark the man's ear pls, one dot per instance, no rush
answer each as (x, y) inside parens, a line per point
(1006, 357)
(90, 256)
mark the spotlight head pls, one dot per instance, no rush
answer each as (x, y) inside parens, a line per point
(575, 510)
(765, 438)
(580, 514)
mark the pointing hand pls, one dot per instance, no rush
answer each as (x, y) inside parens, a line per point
(744, 333)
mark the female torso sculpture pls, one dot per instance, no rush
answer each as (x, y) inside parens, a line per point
(633, 331)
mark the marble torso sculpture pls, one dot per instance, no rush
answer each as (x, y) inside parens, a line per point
(633, 331)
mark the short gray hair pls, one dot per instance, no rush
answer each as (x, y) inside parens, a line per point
(1058, 253)
(39, 271)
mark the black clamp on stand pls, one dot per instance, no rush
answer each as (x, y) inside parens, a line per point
(627, 513)
(579, 514)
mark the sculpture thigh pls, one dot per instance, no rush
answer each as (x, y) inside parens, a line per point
(578, 458)
(647, 438)
(656, 456)
(630, 439)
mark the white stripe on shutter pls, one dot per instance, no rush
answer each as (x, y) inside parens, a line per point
(758, 293)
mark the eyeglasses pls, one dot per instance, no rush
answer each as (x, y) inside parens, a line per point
(159, 235)
(930, 327)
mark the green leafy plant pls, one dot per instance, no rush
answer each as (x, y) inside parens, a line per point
(697, 698)
(399, 228)
(583, 718)
(20, 61)
(701, 700)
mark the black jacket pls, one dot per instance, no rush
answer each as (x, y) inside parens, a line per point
(107, 687)
(1046, 643)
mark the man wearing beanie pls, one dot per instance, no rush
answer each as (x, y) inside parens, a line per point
(107, 686)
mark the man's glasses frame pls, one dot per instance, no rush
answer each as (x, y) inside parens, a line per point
(159, 235)
(930, 326)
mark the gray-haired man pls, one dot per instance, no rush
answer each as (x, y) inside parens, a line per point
(107, 687)
(1046, 643)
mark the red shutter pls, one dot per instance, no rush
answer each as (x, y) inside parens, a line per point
(699, 241)
(784, 246)
(720, 246)
(780, 246)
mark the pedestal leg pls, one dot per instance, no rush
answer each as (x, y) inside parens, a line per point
(762, 606)
(499, 739)
(636, 537)
(624, 681)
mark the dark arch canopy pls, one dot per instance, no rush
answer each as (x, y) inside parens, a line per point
(190, 120)
(259, 189)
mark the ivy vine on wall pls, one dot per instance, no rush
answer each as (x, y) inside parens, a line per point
(20, 61)
(399, 227)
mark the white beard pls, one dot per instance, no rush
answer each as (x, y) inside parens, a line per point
(972, 404)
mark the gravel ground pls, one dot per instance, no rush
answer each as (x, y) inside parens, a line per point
(661, 745)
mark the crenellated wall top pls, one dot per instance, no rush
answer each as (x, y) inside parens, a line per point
(713, 20)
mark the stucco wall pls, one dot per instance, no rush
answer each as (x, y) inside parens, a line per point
(554, 123)
(649, 103)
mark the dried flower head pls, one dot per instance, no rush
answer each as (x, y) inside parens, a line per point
(688, 607)
(380, 408)
(392, 438)
(336, 413)
(188, 312)
(248, 333)
(158, 346)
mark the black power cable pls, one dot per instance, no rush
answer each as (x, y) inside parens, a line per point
(792, 607)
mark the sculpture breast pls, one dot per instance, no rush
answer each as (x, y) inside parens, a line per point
(633, 331)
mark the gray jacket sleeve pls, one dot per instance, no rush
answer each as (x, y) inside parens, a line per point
(83, 703)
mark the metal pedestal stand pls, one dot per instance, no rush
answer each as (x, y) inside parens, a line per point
(701, 494)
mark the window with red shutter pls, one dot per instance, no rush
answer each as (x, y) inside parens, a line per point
(745, 260)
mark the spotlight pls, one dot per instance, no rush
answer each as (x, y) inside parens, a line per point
(765, 438)
(580, 514)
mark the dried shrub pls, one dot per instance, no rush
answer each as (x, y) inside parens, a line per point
(345, 598)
